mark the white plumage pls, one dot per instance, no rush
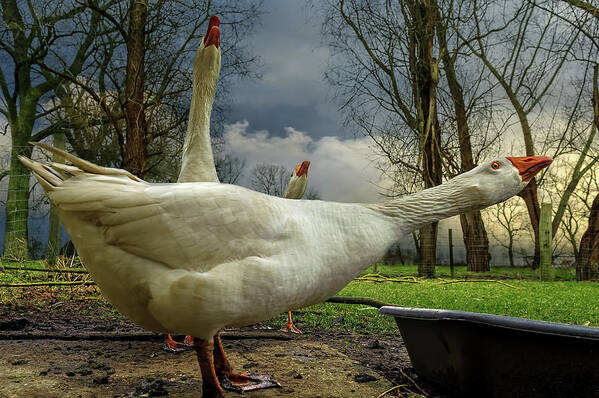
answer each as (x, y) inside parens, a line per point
(198, 161)
(195, 257)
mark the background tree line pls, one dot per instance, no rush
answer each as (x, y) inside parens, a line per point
(441, 84)
(113, 77)
(437, 84)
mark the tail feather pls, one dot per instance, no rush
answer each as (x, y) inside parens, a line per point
(42, 173)
(66, 171)
(51, 177)
(84, 165)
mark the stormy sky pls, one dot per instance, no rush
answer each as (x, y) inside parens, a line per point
(289, 115)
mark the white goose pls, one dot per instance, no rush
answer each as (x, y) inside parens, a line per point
(197, 163)
(295, 189)
(196, 257)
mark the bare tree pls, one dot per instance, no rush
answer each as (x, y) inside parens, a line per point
(387, 81)
(229, 168)
(131, 57)
(313, 194)
(509, 217)
(525, 52)
(574, 199)
(270, 179)
(473, 228)
(53, 32)
(587, 262)
(155, 52)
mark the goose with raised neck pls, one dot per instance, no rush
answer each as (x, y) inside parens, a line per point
(198, 161)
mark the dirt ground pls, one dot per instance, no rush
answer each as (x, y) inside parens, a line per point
(67, 351)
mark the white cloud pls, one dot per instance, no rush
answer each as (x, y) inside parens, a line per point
(340, 170)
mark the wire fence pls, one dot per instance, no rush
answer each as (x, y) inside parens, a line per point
(24, 220)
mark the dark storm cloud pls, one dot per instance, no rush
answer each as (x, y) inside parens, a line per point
(292, 91)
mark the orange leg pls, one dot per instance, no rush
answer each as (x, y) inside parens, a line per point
(211, 387)
(290, 327)
(175, 347)
(234, 381)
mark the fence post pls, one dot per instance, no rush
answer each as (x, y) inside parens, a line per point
(450, 253)
(546, 267)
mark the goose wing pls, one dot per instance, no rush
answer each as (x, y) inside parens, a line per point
(193, 226)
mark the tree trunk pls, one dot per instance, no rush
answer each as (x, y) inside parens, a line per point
(510, 250)
(587, 261)
(473, 228)
(425, 75)
(476, 242)
(53, 246)
(17, 201)
(134, 157)
(428, 250)
(529, 194)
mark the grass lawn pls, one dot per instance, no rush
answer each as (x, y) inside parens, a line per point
(509, 291)
(503, 291)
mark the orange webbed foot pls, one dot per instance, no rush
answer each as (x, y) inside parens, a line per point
(290, 327)
(240, 382)
(174, 347)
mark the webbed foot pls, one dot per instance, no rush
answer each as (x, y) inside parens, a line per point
(240, 383)
(290, 327)
(174, 347)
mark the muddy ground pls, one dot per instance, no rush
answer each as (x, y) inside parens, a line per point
(65, 350)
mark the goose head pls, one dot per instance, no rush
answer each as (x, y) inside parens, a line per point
(297, 183)
(208, 56)
(498, 179)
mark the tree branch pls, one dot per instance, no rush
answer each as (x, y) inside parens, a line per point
(100, 100)
(105, 14)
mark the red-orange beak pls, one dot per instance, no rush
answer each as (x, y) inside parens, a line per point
(212, 37)
(529, 166)
(302, 169)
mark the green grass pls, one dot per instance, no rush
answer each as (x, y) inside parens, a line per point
(563, 300)
(13, 276)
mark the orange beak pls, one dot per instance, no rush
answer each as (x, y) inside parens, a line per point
(529, 166)
(212, 37)
(302, 169)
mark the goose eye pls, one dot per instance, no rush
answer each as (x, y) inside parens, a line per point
(495, 165)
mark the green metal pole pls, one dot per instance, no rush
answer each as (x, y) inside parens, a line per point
(450, 253)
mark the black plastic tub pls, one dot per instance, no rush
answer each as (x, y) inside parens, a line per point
(483, 355)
